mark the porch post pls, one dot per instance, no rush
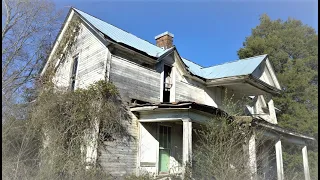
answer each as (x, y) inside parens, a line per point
(187, 142)
(280, 173)
(305, 163)
(252, 157)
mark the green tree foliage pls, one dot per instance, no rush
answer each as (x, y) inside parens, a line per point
(293, 52)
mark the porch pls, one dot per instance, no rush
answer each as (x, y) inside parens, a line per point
(165, 143)
(166, 140)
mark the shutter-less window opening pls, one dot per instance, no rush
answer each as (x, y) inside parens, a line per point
(167, 83)
(74, 73)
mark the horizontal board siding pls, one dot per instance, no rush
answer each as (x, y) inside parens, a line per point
(91, 61)
(134, 81)
(119, 157)
(186, 92)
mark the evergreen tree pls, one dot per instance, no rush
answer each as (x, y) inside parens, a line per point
(293, 52)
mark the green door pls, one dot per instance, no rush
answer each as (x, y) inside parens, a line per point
(164, 149)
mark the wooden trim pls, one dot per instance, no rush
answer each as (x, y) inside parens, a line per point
(305, 163)
(279, 160)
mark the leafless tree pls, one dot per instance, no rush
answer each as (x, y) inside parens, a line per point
(28, 30)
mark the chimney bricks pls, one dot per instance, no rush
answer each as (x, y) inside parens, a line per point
(165, 40)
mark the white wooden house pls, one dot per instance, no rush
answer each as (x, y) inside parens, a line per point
(168, 96)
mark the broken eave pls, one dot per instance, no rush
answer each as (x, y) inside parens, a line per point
(281, 131)
(179, 105)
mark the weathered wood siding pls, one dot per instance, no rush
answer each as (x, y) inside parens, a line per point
(214, 96)
(188, 92)
(148, 148)
(92, 57)
(135, 81)
(119, 157)
(187, 89)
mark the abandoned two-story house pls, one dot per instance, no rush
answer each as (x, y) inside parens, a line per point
(168, 96)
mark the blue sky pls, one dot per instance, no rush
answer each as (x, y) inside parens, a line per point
(206, 32)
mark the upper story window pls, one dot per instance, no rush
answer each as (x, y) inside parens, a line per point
(74, 73)
(167, 83)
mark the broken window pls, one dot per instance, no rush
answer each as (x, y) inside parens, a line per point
(73, 73)
(167, 83)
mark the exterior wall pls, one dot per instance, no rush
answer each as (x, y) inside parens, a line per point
(119, 157)
(135, 81)
(190, 90)
(148, 148)
(213, 96)
(92, 58)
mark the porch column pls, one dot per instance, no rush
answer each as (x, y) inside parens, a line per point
(305, 163)
(187, 142)
(252, 157)
(279, 160)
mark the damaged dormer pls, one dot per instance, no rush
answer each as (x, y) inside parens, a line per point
(263, 109)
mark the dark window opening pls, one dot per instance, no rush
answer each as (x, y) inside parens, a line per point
(167, 83)
(74, 72)
(166, 96)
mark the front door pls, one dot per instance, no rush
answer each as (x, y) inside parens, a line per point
(164, 149)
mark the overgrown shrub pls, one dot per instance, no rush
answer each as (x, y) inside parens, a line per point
(58, 130)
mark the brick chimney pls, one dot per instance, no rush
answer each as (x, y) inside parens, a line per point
(165, 40)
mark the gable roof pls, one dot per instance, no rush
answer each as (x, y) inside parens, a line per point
(234, 68)
(122, 36)
(229, 69)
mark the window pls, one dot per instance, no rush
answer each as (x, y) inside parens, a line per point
(74, 73)
(167, 84)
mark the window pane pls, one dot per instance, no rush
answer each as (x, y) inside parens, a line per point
(161, 136)
(74, 72)
(165, 137)
(75, 66)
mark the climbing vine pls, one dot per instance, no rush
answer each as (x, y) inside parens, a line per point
(64, 46)
(65, 119)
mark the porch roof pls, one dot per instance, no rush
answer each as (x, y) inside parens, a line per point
(219, 112)
(180, 104)
(280, 130)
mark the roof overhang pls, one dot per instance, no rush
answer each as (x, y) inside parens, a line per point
(256, 84)
(278, 132)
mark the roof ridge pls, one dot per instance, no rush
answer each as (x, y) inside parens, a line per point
(117, 27)
(192, 62)
(234, 61)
